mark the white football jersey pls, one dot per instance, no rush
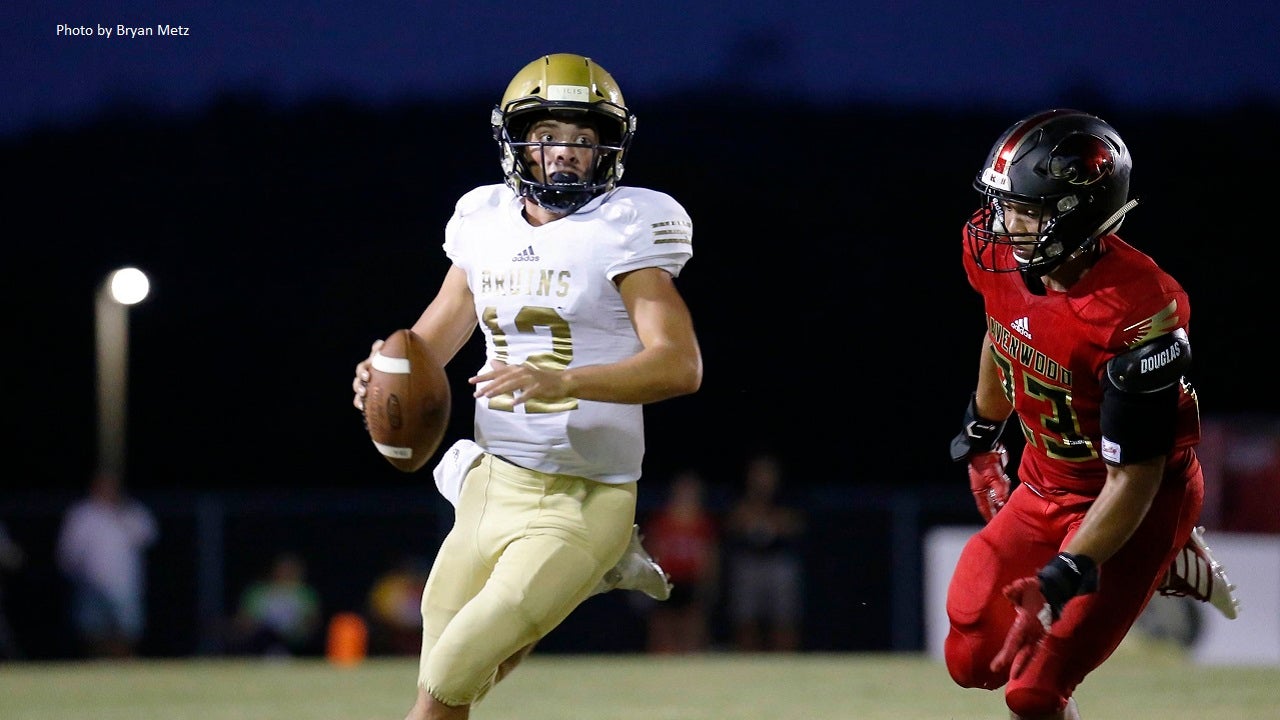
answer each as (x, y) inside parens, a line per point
(545, 295)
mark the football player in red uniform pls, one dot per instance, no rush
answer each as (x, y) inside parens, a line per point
(1087, 343)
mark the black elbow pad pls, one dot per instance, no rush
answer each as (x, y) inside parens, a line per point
(1152, 366)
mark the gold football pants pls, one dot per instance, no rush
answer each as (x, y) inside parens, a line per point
(525, 549)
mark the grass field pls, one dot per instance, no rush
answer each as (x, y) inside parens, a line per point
(1132, 686)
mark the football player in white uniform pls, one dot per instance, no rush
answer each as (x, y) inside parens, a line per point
(571, 279)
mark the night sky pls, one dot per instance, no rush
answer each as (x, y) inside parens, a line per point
(264, 310)
(1178, 54)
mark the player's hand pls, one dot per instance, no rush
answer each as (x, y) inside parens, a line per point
(988, 480)
(359, 384)
(1030, 625)
(978, 444)
(524, 382)
(1038, 602)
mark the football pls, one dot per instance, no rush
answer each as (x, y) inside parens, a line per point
(406, 402)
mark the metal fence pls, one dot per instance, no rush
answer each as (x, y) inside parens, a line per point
(862, 554)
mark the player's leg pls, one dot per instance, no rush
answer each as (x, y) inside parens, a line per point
(547, 538)
(427, 707)
(636, 570)
(1092, 626)
(507, 666)
(1016, 543)
(536, 583)
(1195, 573)
(457, 575)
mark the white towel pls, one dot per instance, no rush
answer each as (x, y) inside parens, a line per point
(453, 468)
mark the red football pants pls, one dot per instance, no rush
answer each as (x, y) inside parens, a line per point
(1020, 540)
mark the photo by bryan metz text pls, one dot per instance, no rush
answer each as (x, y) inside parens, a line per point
(122, 30)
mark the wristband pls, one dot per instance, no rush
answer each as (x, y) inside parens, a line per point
(977, 434)
(1065, 577)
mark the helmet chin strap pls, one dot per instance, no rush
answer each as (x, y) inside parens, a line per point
(1112, 223)
(1035, 280)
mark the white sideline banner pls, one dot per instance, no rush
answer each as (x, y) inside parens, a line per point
(1252, 562)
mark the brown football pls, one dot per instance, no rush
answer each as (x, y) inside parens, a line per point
(406, 401)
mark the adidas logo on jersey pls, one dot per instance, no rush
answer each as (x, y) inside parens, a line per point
(526, 255)
(1022, 328)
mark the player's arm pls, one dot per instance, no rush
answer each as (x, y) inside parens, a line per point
(1111, 520)
(989, 397)
(446, 324)
(668, 365)
(1139, 423)
(1119, 509)
(978, 442)
(670, 362)
(988, 409)
(450, 320)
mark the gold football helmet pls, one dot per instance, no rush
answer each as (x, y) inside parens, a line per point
(574, 88)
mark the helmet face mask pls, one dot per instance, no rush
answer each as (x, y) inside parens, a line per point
(1065, 175)
(572, 89)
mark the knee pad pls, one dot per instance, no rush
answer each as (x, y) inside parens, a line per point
(1030, 701)
(975, 636)
(463, 663)
(973, 584)
(968, 664)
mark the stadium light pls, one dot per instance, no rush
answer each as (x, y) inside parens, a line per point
(121, 289)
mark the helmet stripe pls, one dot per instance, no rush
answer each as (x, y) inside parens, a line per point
(1010, 148)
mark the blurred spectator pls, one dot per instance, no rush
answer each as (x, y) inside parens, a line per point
(101, 550)
(765, 572)
(395, 608)
(11, 560)
(1241, 473)
(684, 538)
(279, 614)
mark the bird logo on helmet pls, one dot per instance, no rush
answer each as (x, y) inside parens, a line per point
(1073, 169)
(574, 88)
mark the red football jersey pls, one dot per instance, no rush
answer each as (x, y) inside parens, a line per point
(1052, 351)
(684, 545)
